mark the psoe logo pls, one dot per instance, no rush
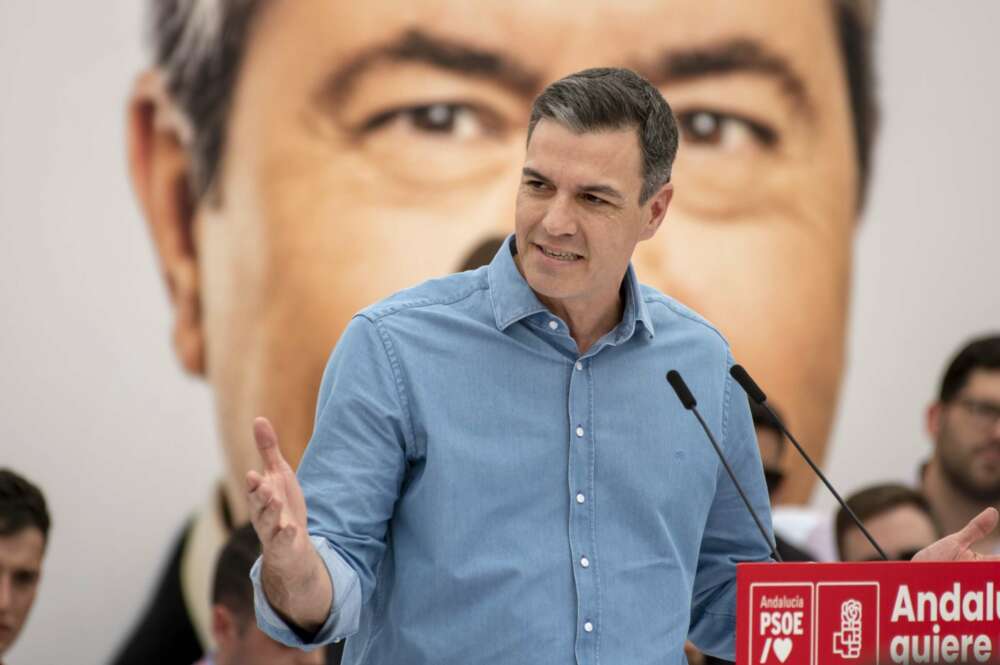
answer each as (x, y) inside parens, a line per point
(847, 641)
(781, 628)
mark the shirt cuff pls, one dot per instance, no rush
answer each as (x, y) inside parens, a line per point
(344, 614)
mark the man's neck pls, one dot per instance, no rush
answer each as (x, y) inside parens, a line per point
(952, 509)
(589, 321)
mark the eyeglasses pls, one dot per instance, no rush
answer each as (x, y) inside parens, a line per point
(982, 414)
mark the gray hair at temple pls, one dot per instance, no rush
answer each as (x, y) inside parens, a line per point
(199, 45)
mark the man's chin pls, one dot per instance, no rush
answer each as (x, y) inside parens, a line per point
(985, 491)
(548, 289)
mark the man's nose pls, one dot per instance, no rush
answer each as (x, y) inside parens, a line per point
(560, 218)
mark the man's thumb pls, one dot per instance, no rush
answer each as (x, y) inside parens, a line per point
(267, 444)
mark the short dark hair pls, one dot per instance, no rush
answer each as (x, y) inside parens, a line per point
(873, 501)
(231, 586)
(200, 44)
(980, 353)
(22, 505)
(610, 98)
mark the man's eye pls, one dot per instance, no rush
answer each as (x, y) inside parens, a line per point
(723, 130)
(24, 578)
(449, 120)
(595, 200)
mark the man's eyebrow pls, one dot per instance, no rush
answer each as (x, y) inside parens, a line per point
(417, 46)
(607, 190)
(732, 56)
(529, 172)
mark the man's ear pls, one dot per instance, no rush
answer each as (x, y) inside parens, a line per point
(658, 205)
(160, 168)
(933, 420)
(225, 628)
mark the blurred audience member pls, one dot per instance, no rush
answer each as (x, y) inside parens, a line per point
(24, 532)
(962, 476)
(898, 518)
(234, 627)
(772, 449)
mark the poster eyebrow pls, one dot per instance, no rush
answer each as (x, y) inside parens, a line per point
(446, 53)
(731, 56)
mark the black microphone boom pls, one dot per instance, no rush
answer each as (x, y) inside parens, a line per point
(742, 377)
(748, 384)
(683, 394)
(689, 403)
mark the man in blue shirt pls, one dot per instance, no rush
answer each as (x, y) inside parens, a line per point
(498, 472)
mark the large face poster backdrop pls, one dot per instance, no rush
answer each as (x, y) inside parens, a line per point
(331, 153)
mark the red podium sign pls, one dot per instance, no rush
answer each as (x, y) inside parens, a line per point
(867, 613)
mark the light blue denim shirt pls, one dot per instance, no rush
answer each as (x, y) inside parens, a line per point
(483, 493)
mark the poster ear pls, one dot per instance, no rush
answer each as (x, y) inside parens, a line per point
(160, 171)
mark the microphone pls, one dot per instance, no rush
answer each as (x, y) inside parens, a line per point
(691, 404)
(754, 392)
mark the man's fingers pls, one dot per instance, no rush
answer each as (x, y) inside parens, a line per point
(267, 444)
(253, 481)
(980, 527)
(260, 497)
(268, 520)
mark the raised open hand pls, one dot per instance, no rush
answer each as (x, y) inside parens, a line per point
(292, 574)
(956, 547)
(277, 507)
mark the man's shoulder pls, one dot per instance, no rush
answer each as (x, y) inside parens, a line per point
(445, 292)
(671, 314)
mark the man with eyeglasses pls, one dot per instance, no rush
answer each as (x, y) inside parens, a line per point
(963, 474)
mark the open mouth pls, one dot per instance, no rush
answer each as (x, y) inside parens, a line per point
(559, 256)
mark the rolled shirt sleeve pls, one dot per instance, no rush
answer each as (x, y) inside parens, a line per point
(344, 614)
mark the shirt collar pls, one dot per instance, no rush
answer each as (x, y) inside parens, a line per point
(514, 300)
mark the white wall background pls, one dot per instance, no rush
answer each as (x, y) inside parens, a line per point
(79, 294)
(92, 404)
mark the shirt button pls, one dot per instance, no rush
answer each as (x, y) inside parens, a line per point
(579, 365)
(588, 627)
(579, 431)
(580, 498)
(584, 562)
(553, 324)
